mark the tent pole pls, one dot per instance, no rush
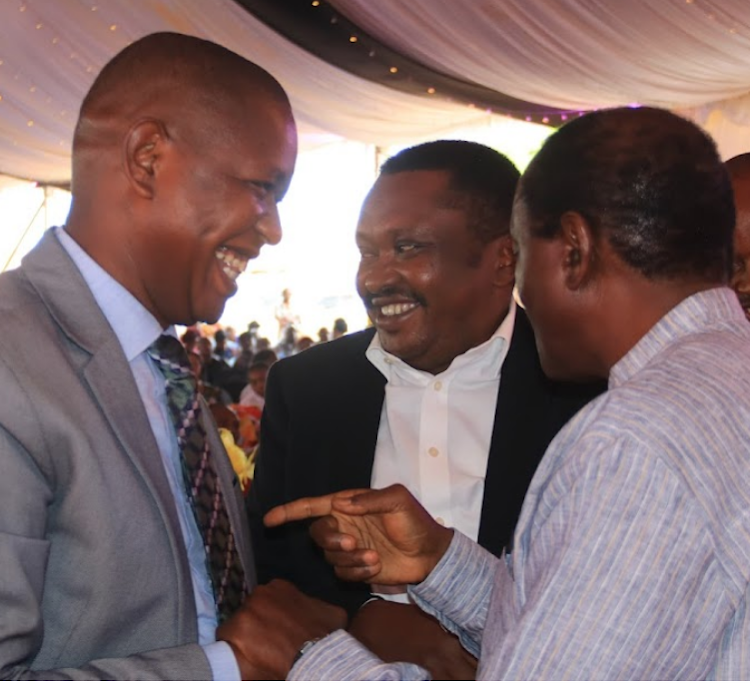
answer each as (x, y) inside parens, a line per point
(43, 205)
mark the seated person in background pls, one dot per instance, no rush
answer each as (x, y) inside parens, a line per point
(213, 367)
(210, 367)
(739, 172)
(263, 344)
(630, 560)
(445, 395)
(245, 355)
(190, 339)
(304, 343)
(232, 344)
(340, 328)
(254, 394)
(252, 399)
(288, 344)
(266, 356)
(221, 350)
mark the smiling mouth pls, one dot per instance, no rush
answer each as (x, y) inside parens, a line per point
(232, 263)
(395, 309)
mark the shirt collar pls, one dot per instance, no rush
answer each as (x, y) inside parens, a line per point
(694, 314)
(134, 326)
(480, 363)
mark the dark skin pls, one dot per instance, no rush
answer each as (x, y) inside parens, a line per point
(266, 633)
(588, 308)
(169, 172)
(176, 176)
(377, 536)
(418, 251)
(403, 543)
(397, 633)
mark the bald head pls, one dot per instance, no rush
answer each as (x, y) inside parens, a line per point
(170, 77)
(182, 151)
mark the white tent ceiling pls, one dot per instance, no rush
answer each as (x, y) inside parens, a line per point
(689, 55)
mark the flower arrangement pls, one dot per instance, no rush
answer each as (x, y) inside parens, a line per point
(243, 464)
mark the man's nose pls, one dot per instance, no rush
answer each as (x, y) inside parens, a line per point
(378, 274)
(269, 225)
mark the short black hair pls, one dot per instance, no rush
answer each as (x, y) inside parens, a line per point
(258, 365)
(485, 176)
(649, 181)
(265, 356)
(339, 325)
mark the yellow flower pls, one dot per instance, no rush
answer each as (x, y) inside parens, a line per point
(241, 464)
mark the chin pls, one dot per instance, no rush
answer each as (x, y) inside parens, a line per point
(208, 314)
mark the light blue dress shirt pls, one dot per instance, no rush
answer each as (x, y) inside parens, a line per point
(136, 329)
(631, 557)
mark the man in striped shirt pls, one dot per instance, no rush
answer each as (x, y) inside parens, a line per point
(631, 558)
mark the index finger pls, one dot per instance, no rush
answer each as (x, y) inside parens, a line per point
(302, 508)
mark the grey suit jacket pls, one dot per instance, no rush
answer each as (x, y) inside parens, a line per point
(94, 578)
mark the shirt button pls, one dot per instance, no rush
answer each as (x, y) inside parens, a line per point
(438, 385)
(440, 521)
(434, 452)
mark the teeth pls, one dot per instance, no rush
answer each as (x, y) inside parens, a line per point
(396, 309)
(233, 265)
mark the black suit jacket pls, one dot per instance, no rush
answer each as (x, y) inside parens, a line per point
(319, 431)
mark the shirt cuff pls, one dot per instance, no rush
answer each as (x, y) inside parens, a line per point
(457, 592)
(224, 666)
(339, 657)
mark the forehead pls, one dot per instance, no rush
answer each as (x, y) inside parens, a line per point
(412, 198)
(252, 134)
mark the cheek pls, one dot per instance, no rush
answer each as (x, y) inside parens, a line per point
(359, 279)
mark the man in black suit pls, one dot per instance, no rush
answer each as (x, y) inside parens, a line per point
(446, 395)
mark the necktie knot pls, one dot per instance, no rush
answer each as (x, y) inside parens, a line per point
(171, 357)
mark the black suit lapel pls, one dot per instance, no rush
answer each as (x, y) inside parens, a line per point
(361, 403)
(514, 450)
(531, 410)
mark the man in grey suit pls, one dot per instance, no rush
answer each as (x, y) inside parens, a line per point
(180, 155)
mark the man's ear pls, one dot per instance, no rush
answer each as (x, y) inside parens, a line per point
(144, 147)
(505, 261)
(578, 249)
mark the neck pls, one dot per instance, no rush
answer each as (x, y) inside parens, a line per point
(631, 309)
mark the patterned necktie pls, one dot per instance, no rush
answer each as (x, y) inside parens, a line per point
(201, 480)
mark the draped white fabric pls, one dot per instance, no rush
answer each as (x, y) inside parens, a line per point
(50, 52)
(689, 55)
(692, 56)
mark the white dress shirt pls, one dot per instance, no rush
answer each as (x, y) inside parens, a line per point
(435, 430)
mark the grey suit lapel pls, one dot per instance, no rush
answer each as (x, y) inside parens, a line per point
(96, 352)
